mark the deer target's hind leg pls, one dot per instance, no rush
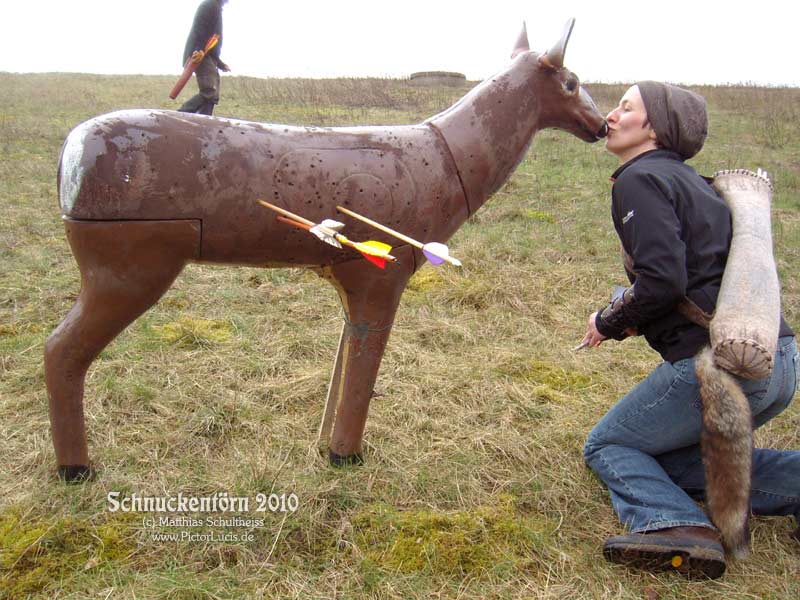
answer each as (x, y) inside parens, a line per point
(370, 298)
(126, 266)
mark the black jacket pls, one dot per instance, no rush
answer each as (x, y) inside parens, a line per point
(676, 232)
(207, 22)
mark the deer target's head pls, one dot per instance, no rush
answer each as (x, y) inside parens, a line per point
(563, 102)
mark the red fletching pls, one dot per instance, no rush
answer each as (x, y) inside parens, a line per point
(375, 260)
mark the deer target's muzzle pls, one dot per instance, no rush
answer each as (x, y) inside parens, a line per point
(593, 135)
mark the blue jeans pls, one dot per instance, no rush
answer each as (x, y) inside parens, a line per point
(646, 449)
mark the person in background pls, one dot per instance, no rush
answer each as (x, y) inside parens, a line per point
(675, 233)
(207, 22)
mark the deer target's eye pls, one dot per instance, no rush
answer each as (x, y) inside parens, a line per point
(571, 85)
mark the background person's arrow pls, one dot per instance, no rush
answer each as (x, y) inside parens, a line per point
(191, 66)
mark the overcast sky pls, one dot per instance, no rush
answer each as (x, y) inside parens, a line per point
(681, 41)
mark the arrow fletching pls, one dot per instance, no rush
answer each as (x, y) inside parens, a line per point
(332, 225)
(438, 254)
(212, 41)
(375, 252)
(375, 260)
(327, 230)
(373, 247)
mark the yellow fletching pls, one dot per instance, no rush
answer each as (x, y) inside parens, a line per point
(372, 247)
(379, 246)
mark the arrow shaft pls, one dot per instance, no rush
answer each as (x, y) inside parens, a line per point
(286, 213)
(383, 228)
(310, 224)
(304, 226)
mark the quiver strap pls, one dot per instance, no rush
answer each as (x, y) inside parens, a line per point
(694, 313)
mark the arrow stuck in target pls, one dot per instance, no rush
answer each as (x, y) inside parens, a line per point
(435, 252)
(328, 231)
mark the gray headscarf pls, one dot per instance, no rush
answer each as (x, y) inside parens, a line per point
(677, 116)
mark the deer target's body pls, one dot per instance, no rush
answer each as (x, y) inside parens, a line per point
(143, 192)
(165, 165)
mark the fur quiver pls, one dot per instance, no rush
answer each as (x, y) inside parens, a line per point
(744, 330)
(744, 335)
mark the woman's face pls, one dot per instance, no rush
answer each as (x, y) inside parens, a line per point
(629, 132)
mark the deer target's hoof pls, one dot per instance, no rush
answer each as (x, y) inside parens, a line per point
(337, 460)
(76, 473)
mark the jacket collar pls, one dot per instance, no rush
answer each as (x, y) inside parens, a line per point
(657, 153)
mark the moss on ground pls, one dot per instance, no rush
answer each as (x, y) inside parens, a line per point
(38, 553)
(544, 373)
(540, 215)
(476, 542)
(424, 280)
(189, 332)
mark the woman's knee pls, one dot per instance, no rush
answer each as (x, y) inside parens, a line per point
(788, 353)
(592, 448)
(782, 386)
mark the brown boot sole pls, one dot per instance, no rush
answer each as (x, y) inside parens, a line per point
(692, 558)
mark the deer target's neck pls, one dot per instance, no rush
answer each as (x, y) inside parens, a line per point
(489, 130)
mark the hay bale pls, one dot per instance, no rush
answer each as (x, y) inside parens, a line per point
(434, 78)
(744, 330)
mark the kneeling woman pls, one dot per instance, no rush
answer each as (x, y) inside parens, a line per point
(675, 233)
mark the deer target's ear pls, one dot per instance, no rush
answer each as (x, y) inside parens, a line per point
(555, 56)
(521, 45)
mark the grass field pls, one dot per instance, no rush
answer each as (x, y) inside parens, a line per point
(474, 484)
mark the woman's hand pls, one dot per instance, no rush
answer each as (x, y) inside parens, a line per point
(592, 338)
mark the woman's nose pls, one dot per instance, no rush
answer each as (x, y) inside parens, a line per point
(612, 116)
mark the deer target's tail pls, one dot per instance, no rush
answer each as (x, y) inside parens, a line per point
(727, 448)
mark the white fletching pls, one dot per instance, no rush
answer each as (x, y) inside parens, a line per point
(327, 230)
(332, 225)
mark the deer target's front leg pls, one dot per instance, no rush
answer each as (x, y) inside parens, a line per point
(370, 298)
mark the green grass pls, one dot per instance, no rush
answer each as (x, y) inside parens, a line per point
(474, 484)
